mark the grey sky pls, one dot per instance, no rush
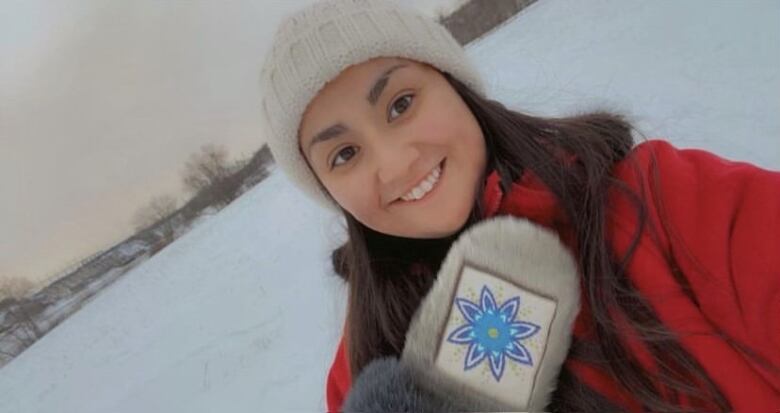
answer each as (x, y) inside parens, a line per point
(100, 105)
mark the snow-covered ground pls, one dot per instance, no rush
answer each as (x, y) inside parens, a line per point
(237, 315)
(700, 73)
(241, 314)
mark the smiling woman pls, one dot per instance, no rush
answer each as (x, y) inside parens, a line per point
(377, 113)
(394, 126)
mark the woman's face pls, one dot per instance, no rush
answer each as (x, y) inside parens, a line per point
(396, 147)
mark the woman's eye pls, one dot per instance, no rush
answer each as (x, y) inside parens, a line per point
(399, 106)
(345, 153)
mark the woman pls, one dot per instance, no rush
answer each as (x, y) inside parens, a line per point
(377, 112)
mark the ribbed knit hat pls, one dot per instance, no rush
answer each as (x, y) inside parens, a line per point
(314, 45)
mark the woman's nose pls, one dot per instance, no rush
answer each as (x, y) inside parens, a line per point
(394, 162)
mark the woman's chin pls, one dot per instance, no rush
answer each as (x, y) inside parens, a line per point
(434, 227)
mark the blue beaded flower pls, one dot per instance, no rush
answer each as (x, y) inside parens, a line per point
(492, 332)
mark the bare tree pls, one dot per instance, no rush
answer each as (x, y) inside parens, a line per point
(19, 329)
(206, 168)
(156, 212)
(15, 287)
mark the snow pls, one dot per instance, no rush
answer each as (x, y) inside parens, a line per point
(242, 314)
(132, 248)
(238, 314)
(699, 73)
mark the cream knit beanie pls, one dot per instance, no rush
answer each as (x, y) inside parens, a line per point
(314, 45)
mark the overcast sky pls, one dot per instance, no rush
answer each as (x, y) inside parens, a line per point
(101, 103)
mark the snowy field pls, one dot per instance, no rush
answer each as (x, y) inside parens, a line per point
(242, 314)
(703, 73)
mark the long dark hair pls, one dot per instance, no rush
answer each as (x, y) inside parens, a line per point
(388, 276)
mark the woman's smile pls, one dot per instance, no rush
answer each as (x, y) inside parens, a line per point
(425, 189)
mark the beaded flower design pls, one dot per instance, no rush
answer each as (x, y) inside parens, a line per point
(492, 333)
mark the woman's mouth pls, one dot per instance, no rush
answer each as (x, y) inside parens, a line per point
(429, 184)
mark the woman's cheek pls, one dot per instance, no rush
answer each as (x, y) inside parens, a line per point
(343, 191)
(436, 128)
(444, 124)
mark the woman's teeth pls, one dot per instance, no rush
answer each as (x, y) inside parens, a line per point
(425, 186)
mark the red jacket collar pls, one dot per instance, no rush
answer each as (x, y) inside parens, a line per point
(528, 197)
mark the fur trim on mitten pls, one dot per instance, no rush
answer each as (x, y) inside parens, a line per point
(384, 385)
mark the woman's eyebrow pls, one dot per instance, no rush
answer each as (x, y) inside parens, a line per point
(380, 83)
(329, 133)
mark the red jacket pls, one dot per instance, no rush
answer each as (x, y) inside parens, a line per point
(720, 220)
